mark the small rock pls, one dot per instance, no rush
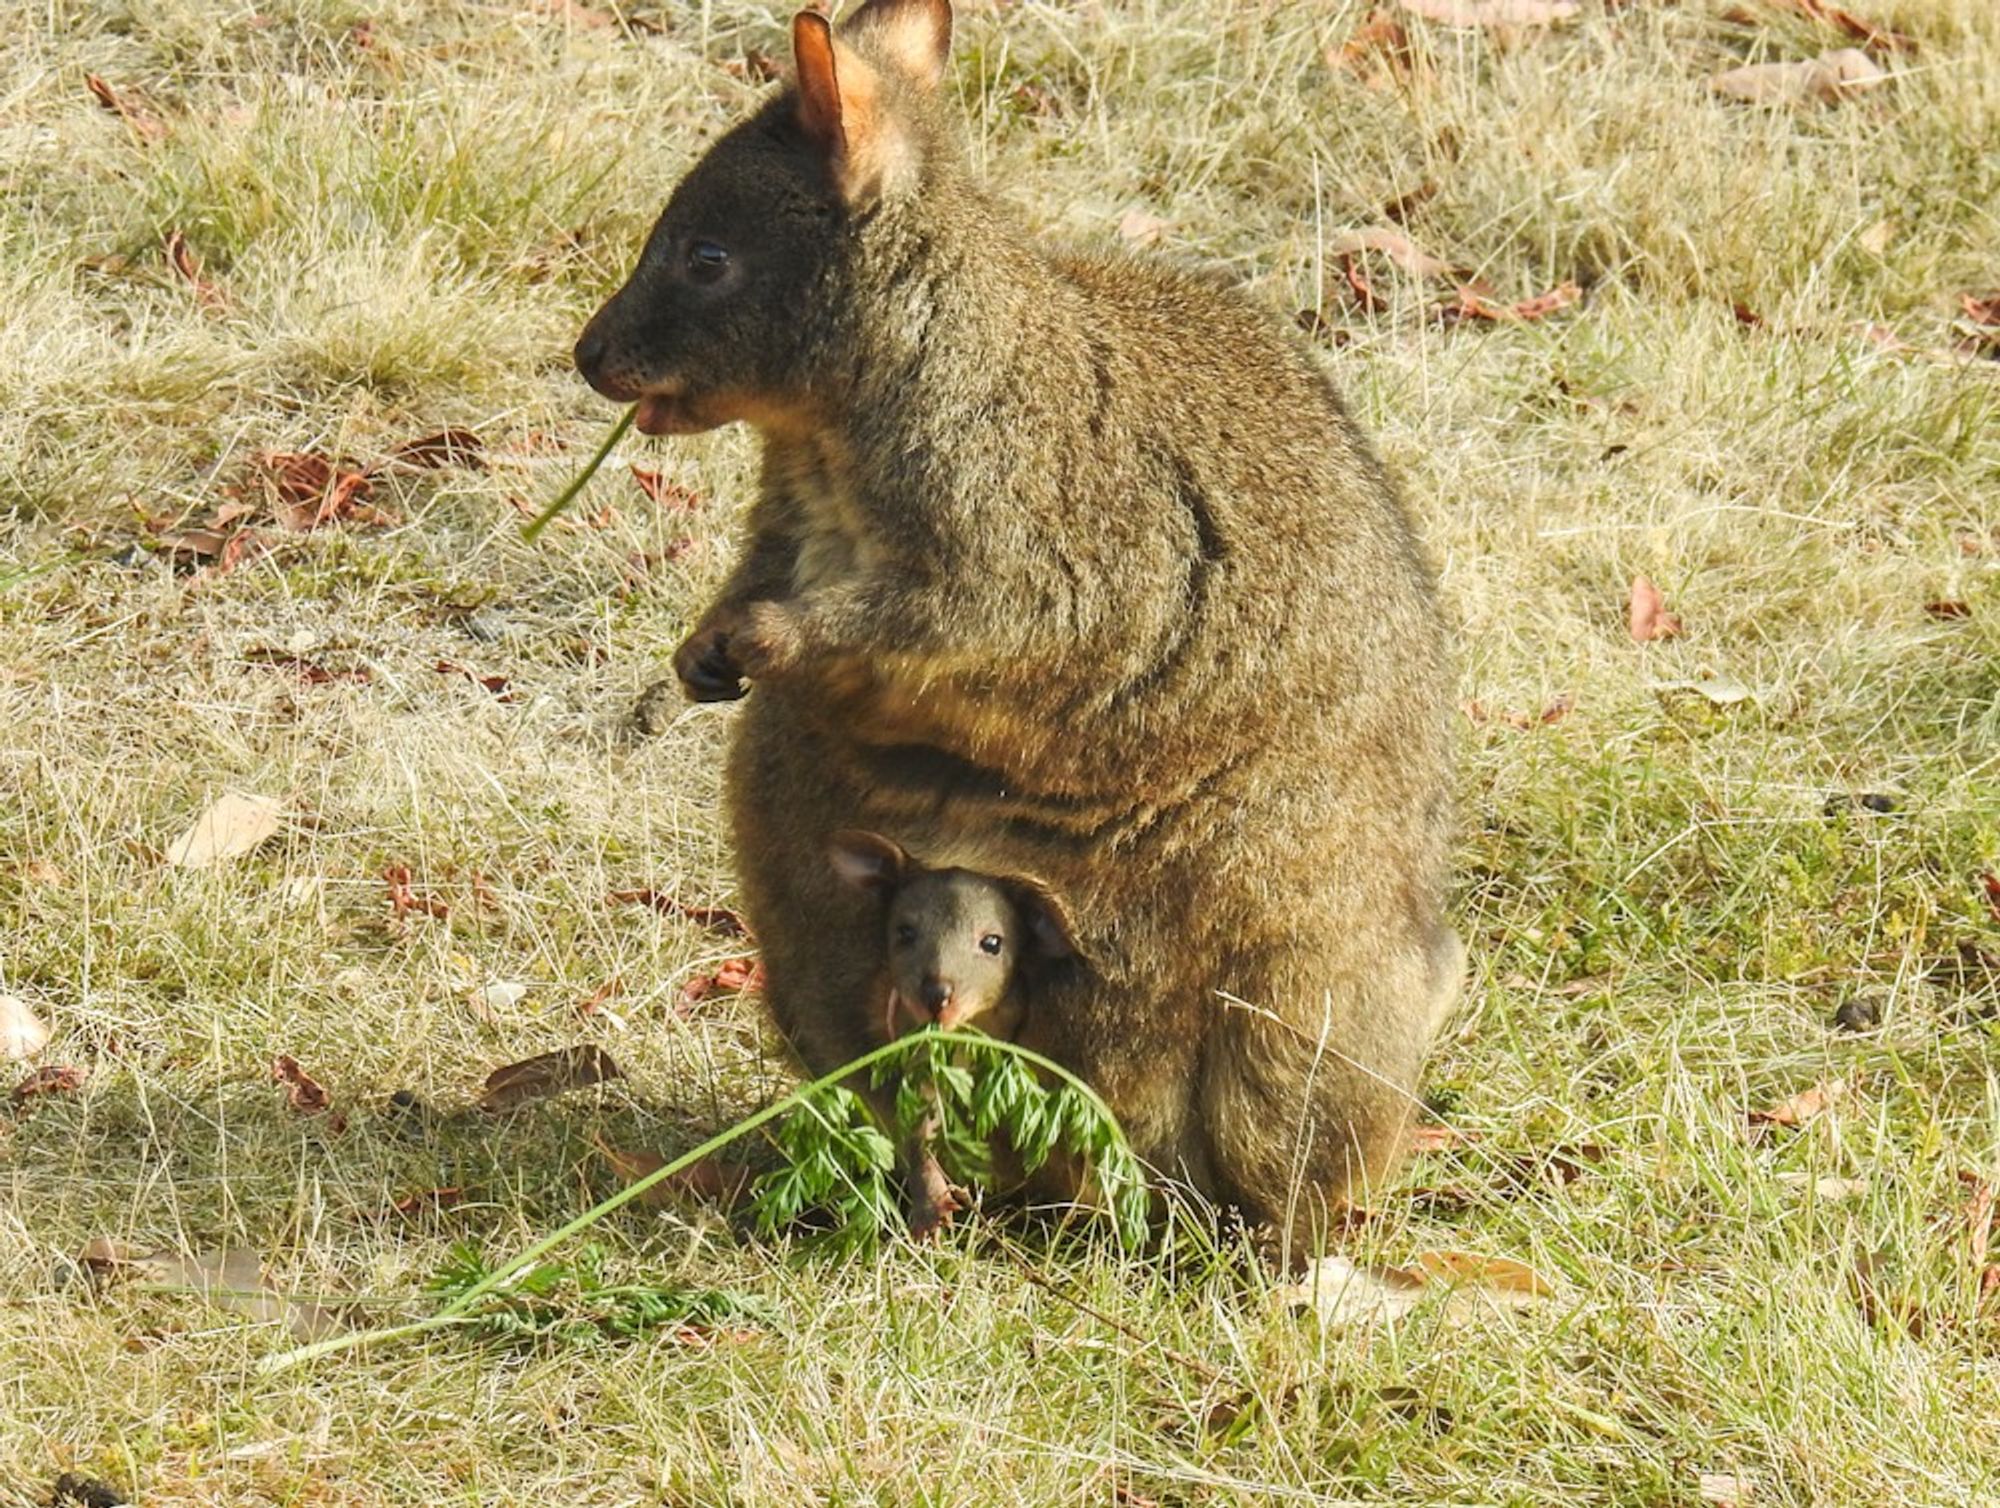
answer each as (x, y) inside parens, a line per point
(658, 705)
(1854, 801)
(1861, 1013)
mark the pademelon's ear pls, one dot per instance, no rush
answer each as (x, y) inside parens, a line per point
(841, 105)
(1047, 917)
(912, 36)
(867, 861)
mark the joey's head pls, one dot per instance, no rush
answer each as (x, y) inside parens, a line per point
(956, 939)
(741, 302)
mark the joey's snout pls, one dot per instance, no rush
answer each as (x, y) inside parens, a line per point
(934, 994)
(598, 362)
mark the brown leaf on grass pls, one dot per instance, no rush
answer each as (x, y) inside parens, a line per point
(1510, 1281)
(403, 900)
(23, 1034)
(1858, 27)
(1381, 42)
(234, 825)
(1991, 882)
(1137, 227)
(448, 447)
(142, 122)
(311, 672)
(231, 1278)
(427, 1201)
(547, 1074)
(1646, 615)
(1830, 76)
(1493, 12)
(1947, 610)
(496, 684)
(310, 491)
(303, 1092)
(1747, 317)
(55, 1078)
(664, 493)
(180, 256)
(1470, 304)
(1393, 244)
(1981, 309)
(754, 67)
(1340, 1292)
(1979, 1215)
(1801, 1108)
(1438, 1139)
(1358, 284)
(718, 919)
(630, 1167)
(1723, 1490)
(731, 976)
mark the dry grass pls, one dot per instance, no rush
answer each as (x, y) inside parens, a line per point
(406, 223)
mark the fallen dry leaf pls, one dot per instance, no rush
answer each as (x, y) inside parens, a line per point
(1340, 1292)
(311, 672)
(1647, 617)
(1858, 27)
(731, 976)
(1723, 1489)
(142, 122)
(1947, 610)
(1138, 228)
(1981, 309)
(302, 1091)
(1393, 244)
(1358, 284)
(1380, 38)
(496, 684)
(231, 1278)
(1830, 76)
(309, 491)
(1719, 690)
(448, 447)
(1438, 1139)
(547, 1074)
(633, 1166)
(1801, 1108)
(1493, 12)
(1979, 1212)
(1510, 1281)
(426, 1201)
(1834, 1190)
(665, 493)
(55, 1078)
(181, 257)
(1470, 304)
(235, 825)
(718, 919)
(403, 900)
(1991, 884)
(22, 1033)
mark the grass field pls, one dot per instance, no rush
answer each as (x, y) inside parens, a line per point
(1769, 400)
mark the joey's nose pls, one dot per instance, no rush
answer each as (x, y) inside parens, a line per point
(593, 357)
(936, 995)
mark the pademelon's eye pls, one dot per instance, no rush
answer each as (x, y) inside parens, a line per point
(707, 260)
(906, 935)
(990, 943)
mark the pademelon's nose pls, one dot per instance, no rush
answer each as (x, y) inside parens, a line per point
(936, 994)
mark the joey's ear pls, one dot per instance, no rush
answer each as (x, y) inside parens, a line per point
(912, 36)
(867, 861)
(1046, 917)
(843, 113)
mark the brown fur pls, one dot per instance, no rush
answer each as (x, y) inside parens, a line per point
(1072, 566)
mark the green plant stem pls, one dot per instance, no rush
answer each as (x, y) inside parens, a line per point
(454, 1312)
(531, 530)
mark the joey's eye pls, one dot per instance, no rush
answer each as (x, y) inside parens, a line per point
(990, 943)
(906, 935)
(707, 260)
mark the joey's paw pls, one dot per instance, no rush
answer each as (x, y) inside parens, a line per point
(933, 1201)
(707, 667)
